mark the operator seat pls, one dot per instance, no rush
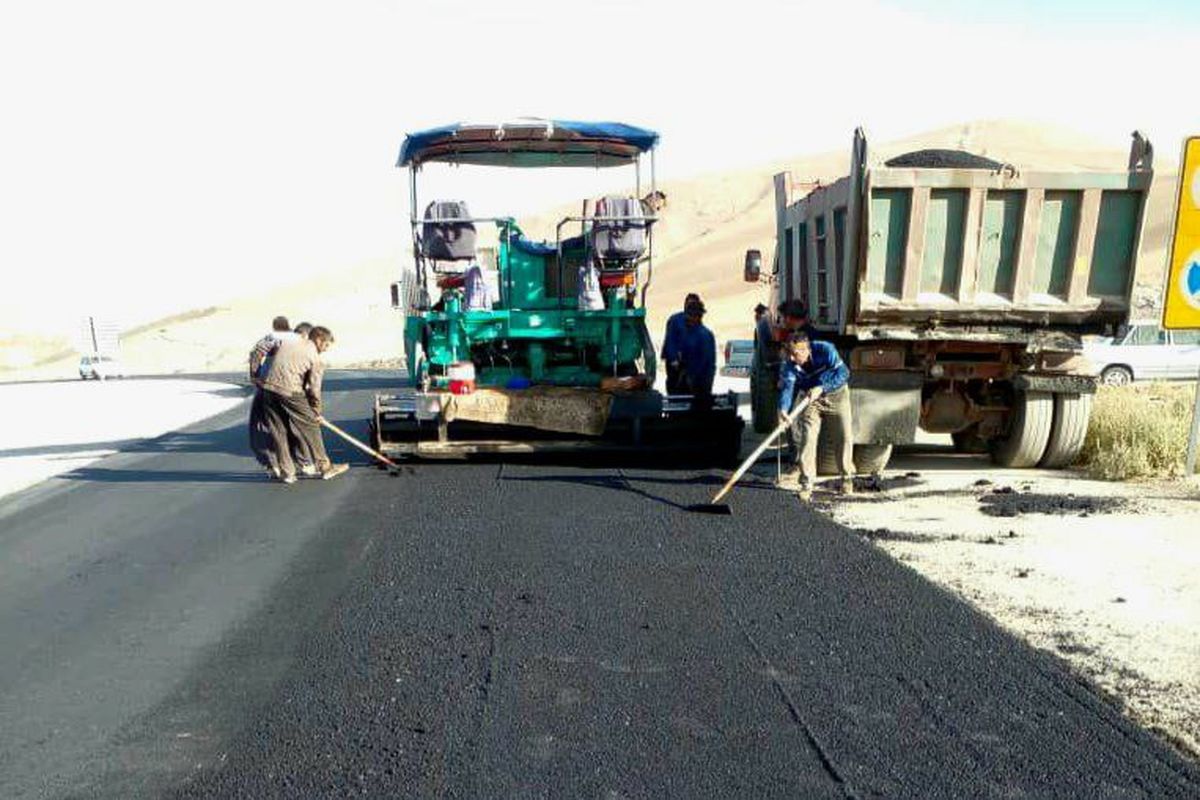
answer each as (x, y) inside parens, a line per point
(443, 236)
(618, 243)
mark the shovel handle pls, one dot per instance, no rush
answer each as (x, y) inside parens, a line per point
(357, 443)
(767, 442)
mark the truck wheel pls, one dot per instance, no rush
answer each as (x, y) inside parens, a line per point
(1028, 432)
(1067, 431)
(827, 463)
(764, 400)
(871, 459)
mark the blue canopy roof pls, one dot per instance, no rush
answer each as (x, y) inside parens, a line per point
(529, 142)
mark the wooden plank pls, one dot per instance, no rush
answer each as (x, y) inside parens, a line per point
(915, 250)
(1027, 255)
(1085, 242)
(968, 275)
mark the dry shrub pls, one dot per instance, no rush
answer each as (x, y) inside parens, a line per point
(1138, 431)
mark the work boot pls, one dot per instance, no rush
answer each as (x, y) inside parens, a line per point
(273, 473)
(333, 470)
(309, 470)
(288, 479)
(804, 491)
(847, 486)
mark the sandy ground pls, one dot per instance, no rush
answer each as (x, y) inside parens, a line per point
(1104, 575)
(52, 428)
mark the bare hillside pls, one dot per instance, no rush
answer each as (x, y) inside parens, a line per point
(699, 244)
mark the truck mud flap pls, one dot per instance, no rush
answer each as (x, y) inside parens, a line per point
(1056, 384)
(886, 406)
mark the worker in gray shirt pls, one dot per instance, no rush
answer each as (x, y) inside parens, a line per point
(292, 399)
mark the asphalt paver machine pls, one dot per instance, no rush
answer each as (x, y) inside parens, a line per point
(537, 345)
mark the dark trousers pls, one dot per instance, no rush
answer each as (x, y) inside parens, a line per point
(262, 443)
(677, 380)
(293, 418)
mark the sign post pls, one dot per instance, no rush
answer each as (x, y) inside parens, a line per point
(1181, 309)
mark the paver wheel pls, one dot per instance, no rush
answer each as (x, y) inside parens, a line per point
(1067, 431)
(871, 459)
(1028, 432)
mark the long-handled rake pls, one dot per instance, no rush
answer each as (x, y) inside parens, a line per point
(393, 467)
(716, 507)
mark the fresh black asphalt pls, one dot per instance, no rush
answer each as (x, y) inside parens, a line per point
(173, 625)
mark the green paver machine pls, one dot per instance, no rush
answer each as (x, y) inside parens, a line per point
(529, 345)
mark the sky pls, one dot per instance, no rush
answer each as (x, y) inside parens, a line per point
(159, 156)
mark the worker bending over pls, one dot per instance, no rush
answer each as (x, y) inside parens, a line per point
(814, 370)
(292, 399)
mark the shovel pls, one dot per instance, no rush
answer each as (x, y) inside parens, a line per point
(716, 507)
(392, 464)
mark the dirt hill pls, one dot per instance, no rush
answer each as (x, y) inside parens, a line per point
(699, 245)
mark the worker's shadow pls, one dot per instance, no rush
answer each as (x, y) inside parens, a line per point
(103, 475)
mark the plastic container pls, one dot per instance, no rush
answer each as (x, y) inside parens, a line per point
(462, 377)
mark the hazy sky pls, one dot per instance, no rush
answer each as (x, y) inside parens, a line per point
(158, 155)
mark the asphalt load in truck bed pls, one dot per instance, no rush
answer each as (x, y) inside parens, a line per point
(533, 629)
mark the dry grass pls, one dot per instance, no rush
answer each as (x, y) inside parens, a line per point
(1138, 431)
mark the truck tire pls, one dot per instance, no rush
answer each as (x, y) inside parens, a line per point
(1067, 431)
(764, 400)
(1028, 433)
(871, 459)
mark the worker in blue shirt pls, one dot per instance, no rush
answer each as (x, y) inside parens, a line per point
(672, 341)
(813, 369)
(697, 357)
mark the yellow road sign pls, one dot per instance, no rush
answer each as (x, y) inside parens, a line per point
(1182, 307)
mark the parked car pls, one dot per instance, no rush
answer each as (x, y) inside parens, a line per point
(739, 355)
(100, 367)
(1144, 351)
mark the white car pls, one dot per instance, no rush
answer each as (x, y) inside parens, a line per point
(739, 355)
(100, 367)
(1145, 352)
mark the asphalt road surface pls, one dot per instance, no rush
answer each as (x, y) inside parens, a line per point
(174, 625)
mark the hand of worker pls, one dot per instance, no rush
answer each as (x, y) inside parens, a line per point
(814, 393)
(783, 418)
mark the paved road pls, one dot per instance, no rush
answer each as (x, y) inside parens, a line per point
(175, 626)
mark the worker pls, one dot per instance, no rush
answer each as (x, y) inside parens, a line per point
(814, 370)
(292, 398)
(759, 312)
(672, 337)
(697, 357)
(771, 334)
(260, 432)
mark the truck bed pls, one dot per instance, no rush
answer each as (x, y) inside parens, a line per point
(923, 247)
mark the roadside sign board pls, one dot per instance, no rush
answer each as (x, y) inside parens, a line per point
(1181, 310)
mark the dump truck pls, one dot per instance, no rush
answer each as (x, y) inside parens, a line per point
(528, 345)
(958, 290)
